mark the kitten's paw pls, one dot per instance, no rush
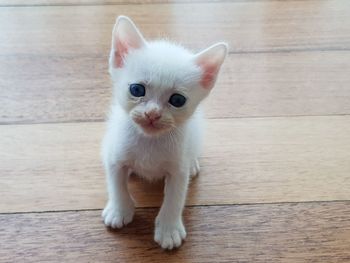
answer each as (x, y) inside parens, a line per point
(169, 236)
(194, 170)
(117, 217)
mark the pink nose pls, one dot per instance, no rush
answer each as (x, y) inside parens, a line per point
(152, 115)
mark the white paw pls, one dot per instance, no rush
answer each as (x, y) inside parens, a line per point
(194, 170)
(117, 217)
(169, 236)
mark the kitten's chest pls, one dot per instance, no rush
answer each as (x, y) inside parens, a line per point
(152, 159)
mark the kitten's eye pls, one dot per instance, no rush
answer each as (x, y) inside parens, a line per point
(137, 90)
(177, 100)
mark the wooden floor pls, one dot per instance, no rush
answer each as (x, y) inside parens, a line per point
(275, 180)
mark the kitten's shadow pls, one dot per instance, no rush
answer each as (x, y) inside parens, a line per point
(137, 237)
(145, 193)
(150, 194)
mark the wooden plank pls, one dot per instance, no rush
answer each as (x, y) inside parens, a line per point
(60, 89)
(96, 2)
(253, 26)
(314, 232)
(51, 89)
(57, 166)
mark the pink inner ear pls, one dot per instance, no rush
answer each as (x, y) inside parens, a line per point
(120, 53)
(209, 74)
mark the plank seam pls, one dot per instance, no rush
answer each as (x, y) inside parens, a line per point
(187, 206)
(232, 52)
(208, 118)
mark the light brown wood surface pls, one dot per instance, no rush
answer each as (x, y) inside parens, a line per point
(294, 233)
(96, 2)
(254, 160)
(275, 179)
(61, 89)
(248, 26)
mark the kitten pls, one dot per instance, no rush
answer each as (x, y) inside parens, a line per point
(154, 129)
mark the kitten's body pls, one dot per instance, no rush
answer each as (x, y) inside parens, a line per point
(154, 129)
(152, 157)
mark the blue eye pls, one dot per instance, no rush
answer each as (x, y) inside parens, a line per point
(177, 100)
(137, 90)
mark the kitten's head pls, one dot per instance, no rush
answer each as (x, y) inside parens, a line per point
(159, 84)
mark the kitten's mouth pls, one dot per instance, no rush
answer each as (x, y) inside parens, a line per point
(150, 127)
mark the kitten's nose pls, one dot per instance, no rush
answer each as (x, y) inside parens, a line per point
(153, 115)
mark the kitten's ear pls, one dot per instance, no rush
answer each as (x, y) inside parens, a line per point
(125, 37)
(210, 61)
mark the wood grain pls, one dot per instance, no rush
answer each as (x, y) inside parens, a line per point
(314, 232)
(57, 166)
(96, 2)
(61, 89)
(253, 26)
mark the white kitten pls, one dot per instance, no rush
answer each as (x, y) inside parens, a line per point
(154, 129)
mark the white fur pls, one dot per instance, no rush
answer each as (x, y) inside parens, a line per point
(171, 147)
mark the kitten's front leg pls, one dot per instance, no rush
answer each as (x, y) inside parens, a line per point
(170, 230)
(119, 210)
